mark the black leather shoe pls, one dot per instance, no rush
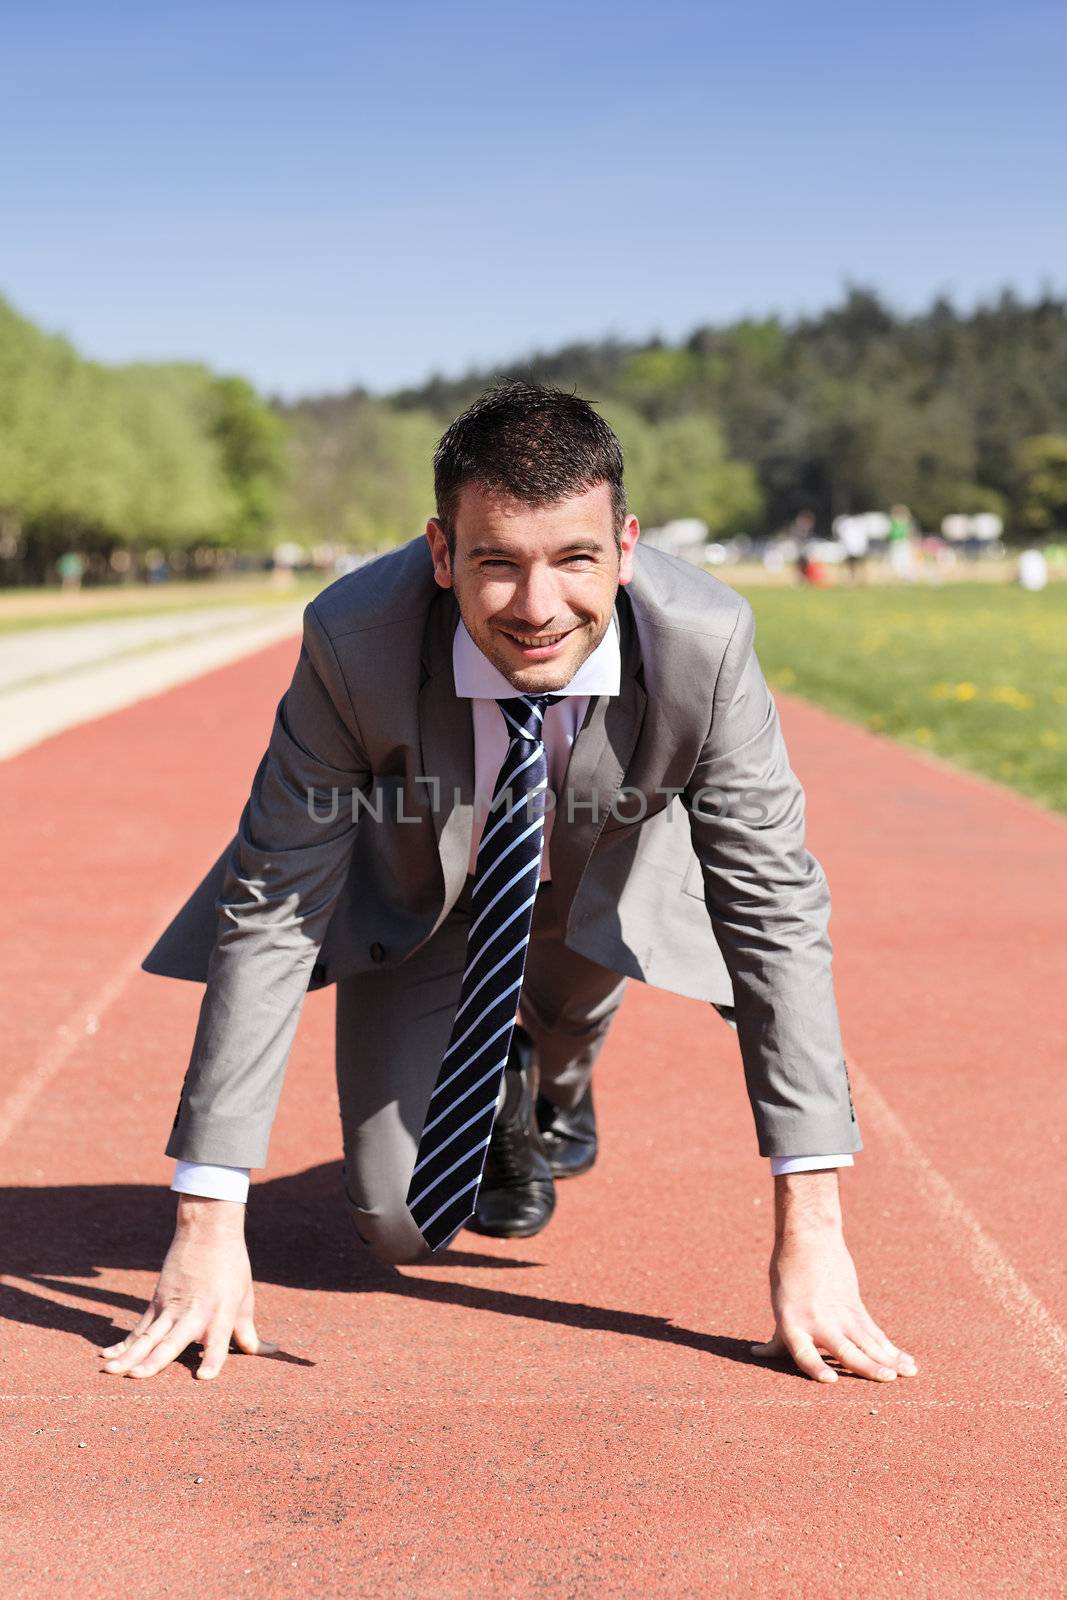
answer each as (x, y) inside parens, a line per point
(517, 1196)
(569, 1137)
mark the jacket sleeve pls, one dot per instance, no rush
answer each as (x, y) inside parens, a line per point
(769, 905)
(284, 873)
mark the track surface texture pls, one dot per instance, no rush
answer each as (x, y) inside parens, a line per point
(579, 1413)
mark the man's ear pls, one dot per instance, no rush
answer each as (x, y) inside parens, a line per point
(630, 535)
(442, 565)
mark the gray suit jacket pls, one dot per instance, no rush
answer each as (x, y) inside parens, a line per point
(677, 850)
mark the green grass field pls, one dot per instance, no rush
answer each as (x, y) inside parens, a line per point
(972, 672)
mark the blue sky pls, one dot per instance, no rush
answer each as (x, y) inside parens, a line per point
(324, 194)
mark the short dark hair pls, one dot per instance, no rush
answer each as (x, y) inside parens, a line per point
(533, 442)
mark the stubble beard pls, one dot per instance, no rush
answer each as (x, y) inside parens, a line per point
(540, 677)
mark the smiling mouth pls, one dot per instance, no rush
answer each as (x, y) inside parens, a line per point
(540, 641)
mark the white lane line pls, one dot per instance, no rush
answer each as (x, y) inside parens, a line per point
(80, 1024)
(36, 712)
(40, 654)
(866, 1396)
(1043, 1335)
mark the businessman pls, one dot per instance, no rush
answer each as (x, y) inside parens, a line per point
(519, 763)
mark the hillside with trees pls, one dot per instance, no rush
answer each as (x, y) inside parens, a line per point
(100, 458)
(742, 425)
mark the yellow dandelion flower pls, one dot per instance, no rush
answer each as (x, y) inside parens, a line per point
(1050, 739)
(965, 691)
(922, 735)
(785, 678)
(1006, 694)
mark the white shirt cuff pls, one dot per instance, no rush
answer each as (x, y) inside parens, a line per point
(780, 1165)
(214, 1183)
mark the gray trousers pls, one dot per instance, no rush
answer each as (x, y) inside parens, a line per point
(392, 1030)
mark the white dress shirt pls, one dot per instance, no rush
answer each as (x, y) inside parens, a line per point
(478, 681)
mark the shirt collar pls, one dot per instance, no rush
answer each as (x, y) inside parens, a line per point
(478, 679)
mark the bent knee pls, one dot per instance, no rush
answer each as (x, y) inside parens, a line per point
(390, 1235)
(400, 1252)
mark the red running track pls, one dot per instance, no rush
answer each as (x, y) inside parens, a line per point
(575, 1414)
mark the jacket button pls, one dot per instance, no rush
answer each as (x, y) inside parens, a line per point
(377, 952)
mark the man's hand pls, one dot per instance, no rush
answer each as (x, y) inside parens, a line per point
(815, 1293)
(204, 1294)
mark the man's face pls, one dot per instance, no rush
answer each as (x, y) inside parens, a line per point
(535, 585)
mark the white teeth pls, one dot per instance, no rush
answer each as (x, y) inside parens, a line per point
(538, 644)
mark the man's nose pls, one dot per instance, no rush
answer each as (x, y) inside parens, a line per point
(536, 598)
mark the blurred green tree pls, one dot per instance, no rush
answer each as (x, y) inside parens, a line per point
(1043, 469)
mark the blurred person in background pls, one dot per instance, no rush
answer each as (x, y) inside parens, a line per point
(901, 543)
(852, 533)
(802, 533)
(1033, 569)
(71, 569)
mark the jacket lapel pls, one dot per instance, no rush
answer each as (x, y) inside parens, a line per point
(446, 735)
(599, 758)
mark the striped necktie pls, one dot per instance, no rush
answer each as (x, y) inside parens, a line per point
(462, 1109)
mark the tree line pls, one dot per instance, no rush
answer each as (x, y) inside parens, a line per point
(851, 410)
(98, 458)
(742, 425)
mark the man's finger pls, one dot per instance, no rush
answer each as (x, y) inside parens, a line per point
(802, 1348)
(798, 1348)
(138, 1345)
(216, 1349)
(142, 1326)
(773, 1349)
(869, 1336)
(247, 1339)
(181, 1335)
(851, 1356)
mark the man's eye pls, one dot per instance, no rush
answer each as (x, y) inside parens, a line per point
(501, 561)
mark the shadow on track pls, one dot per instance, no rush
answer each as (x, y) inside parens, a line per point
(299, 1237)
